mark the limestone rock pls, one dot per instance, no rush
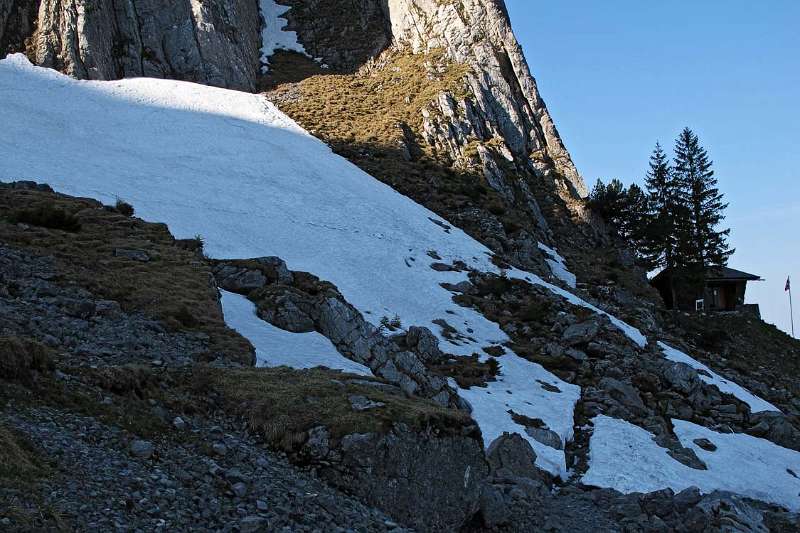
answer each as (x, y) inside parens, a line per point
(215, 43)
(512, 455)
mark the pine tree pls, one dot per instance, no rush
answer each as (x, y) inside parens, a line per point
(659, 241)
(609, 202)
(700, 244)
(634, 218)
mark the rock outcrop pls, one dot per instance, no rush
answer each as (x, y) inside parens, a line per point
(300, 302)
(214, 43)
(502, 102)
(433, 481)
(506, 104)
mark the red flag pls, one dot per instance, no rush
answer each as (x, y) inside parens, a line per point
(788, 285)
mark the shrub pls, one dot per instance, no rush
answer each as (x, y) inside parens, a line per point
(535, 311)
(493, 367)
(468, 371)
(46, 216)
(185, 317)
(391, 324)
(21, 359)
(124, 208)
(494, 285)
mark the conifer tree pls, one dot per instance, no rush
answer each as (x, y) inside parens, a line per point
(609, 202)
(699, 243)
(659, 240)
(634, 218)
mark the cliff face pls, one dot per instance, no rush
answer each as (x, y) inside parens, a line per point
(215, 43)
(508, 105)
(497, 115)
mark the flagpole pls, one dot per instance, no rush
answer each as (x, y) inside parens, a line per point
(791, 309)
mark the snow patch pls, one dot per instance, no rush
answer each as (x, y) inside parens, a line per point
(277, 347)
(273, 35)
(724, 385)
(558, 266)
(631, 332)
(519, 389)
(625, 457)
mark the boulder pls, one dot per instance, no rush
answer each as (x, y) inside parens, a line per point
(624, 394)
(141, 449)
(582, 333)
(425, 344)
(511, 455)
(425, 479)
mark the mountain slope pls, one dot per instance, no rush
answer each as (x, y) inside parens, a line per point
(231, 168)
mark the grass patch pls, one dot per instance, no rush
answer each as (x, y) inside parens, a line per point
(283, 404)
(366, 107)
(468, 371)
(174, 281)
(45, 215)
(21, 360)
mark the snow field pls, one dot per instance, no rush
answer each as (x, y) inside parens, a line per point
(626, 458)
(230, 167)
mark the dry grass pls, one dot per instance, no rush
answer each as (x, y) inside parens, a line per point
(469, 371)
(367, 107)
(173, 286)
(283, 404)
(21, 359)
(23, 475)
(18, 461)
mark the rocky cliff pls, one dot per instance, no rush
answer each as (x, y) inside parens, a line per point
(486, 130)
(215, 43)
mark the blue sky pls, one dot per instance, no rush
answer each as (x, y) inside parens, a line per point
(617, 76)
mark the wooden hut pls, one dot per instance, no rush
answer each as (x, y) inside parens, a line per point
(723, 290)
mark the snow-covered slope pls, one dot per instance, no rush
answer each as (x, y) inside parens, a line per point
(625, 457)
(232, 168)
(558, 266)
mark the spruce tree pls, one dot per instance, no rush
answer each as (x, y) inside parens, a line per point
(625, 210)
(659, 241)
(700, 244)
(634, 218)
(609, 202)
